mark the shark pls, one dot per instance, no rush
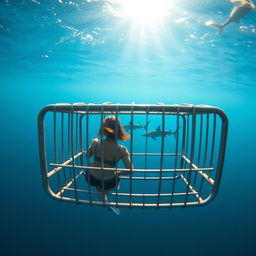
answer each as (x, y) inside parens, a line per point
(158, 133)
(239, 11)
(130, 126)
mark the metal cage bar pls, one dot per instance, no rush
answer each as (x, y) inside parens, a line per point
(185, 172)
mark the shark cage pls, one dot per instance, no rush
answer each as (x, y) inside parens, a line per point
(177, 151)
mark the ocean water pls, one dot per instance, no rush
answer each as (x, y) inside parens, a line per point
(91, 51)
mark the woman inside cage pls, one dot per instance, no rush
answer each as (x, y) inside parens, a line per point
(107, 153)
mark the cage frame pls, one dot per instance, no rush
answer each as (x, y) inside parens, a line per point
(84, 109)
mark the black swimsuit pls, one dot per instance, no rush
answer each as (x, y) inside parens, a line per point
(103, 184)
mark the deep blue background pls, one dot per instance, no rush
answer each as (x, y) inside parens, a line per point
(215, 70)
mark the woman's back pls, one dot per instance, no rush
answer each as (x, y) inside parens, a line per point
(106, 154)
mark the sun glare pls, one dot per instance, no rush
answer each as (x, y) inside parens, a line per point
(145, 12)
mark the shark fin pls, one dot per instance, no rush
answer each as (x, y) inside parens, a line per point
(158, 129)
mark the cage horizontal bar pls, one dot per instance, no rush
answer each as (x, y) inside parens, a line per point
(191, 188)
(98, 108)
(148, 178)
(65, 163)
(130, 204)
(128, 170)
(209, 179)
(135, 194)
(151, 154)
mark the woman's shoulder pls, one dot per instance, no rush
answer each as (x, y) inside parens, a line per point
(94, 141)
(123, 149)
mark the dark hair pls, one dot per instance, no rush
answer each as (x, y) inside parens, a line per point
(108, 128)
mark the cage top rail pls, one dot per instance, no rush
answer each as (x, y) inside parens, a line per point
(91, 108)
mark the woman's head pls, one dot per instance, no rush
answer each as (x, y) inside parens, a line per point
(109, 126)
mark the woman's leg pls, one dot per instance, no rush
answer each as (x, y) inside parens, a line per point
(102, 194)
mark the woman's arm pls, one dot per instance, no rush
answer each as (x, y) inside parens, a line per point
(91, 148)
(127, 162)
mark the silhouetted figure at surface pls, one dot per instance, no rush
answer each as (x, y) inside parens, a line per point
(239, 11)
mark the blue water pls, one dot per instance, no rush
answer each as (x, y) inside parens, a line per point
(78, 51)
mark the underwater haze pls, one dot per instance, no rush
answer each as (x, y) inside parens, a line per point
(62, 51)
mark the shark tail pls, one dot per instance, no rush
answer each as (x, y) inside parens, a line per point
(146, 125)
(175, 133)
(215, 25)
